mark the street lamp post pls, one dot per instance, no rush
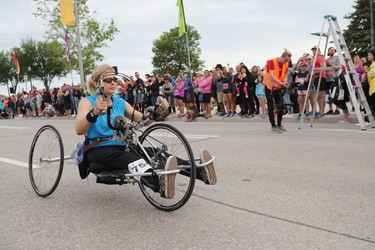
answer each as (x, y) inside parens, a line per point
(31, 84)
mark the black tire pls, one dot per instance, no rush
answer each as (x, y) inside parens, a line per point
(46, 175)
(177, 145)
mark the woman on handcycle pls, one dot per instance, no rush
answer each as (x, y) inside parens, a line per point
(110, 154)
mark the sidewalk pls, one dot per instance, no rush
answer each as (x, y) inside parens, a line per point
(286, 119)
(215, 118)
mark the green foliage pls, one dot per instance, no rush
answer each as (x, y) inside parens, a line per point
(38, 60)
(357, 34)
(170, 52)
(6, 67)
(94, 35)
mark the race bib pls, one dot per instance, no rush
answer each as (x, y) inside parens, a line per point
(225, 86)
(139, 166)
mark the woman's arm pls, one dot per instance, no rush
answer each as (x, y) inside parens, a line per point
(82, 124)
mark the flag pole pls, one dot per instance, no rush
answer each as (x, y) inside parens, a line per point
(79, 44)
(187, 41)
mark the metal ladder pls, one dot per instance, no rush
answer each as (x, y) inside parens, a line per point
(345, 58)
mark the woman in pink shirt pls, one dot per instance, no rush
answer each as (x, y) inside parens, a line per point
(205, 86)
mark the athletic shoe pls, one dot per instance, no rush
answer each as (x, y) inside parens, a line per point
(276, 130)
(317, 115)
(337, 112)
(330, 112)
(281, 128)
(207, 173)
(166, 182)
(299, 116)
(227, 115)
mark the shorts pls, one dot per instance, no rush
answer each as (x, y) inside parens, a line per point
(302, 92)
(261, 97)
(219, 97)
(323, 84)
(178, 97)
(329, 85)
(206, 97)
(228, 91)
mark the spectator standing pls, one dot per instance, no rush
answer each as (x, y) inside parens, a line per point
(218, 79)
(167, 90)
(153, 89)
(247, 90)
(179, 92)
(205, 85)
(67, 101)
(334, 63)
(228, 93)
(319, 72)
(371, 78)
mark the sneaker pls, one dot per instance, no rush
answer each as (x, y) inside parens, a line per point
(330, 112)
(337, 112)
(227, 115)
(276, 129)
(281, 128)
(166, 182)
(299, 116)
(317, 115)
(207, 173)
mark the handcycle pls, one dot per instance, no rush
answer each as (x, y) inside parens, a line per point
(154, 144)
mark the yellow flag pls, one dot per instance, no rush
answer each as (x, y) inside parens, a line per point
(67, 12)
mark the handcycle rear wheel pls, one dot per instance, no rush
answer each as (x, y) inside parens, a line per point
(164, 135)
(46, 160)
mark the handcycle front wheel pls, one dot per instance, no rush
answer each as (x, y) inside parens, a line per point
(164, 136)
(46, 160)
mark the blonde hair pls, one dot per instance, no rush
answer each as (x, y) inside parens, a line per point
(286, 53)
(96, 76)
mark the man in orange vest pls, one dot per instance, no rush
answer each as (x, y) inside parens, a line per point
(275, 78)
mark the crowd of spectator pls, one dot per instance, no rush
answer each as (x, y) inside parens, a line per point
(235, 92)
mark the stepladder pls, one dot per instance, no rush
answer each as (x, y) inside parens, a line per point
(349, 76)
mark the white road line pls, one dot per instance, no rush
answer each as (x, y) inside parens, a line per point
(190, 136)
(14, 162)
(9, 127)
(345, 130)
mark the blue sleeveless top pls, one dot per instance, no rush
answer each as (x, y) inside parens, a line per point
(100, 129)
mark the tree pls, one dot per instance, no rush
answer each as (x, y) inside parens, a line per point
(45, 59)
(7, 70)
(170, 53)
(357, 34)
(94, 35)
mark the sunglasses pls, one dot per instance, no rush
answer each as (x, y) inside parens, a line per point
(110, 80)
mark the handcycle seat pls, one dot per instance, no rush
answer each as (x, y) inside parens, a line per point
(98, 168)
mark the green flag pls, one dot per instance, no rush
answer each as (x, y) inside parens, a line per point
(181, 18)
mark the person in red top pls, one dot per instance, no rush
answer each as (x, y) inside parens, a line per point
(320, 70)
(275, 78)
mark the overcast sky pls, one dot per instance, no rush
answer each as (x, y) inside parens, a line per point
(232, 31)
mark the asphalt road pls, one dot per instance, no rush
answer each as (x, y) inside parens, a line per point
(309, 188)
